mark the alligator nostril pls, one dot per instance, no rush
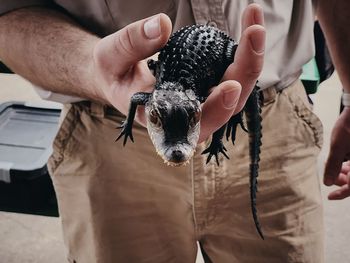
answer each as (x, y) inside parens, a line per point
(177, 155)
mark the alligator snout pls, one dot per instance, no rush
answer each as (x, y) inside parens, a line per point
(177, 156)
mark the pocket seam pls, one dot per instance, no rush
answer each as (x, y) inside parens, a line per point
(62, 139)
(305, 114)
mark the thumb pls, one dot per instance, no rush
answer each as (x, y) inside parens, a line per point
(118, 52)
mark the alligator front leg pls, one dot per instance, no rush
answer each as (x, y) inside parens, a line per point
(153, 66)
(216, 146)
(232, 126)
(139, 98)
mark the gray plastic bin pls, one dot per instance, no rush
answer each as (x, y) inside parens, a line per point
(26, 135)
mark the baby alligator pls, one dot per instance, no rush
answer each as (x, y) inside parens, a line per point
(193, 61)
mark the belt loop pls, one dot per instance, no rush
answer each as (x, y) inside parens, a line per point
(269, 95)
(97, 109)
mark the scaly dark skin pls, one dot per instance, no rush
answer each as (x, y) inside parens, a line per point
(193, 61)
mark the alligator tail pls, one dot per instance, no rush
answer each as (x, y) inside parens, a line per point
(253, 115)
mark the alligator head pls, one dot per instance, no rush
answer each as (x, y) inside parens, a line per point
(173, 123)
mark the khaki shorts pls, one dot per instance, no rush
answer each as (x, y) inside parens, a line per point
(123, 204)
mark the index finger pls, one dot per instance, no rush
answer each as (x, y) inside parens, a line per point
(339, 148)
(333, 165)
(249, 56)
(340, 193)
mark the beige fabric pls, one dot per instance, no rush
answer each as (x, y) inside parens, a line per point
(10, 5)
(122, 204)
(289, 41)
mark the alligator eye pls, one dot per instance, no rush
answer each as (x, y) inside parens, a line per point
(196, 117)
(154, 118)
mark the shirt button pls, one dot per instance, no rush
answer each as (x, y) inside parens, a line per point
(212, 23)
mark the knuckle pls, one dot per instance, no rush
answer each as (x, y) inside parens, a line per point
(255, 68)
(252, 74)
(124, 43)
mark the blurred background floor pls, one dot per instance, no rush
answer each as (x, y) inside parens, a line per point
(38, 239)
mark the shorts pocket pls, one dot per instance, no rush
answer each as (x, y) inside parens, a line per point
(62, 139)
(303, 111)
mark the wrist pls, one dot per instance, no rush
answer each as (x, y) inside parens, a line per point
(346, 99)
(96, 81)
(345, 116)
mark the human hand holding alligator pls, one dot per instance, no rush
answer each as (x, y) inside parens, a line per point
(119, 62)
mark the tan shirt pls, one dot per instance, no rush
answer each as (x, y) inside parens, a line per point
(289, 43)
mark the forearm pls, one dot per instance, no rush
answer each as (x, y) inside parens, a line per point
(333, 16)
(50, 50)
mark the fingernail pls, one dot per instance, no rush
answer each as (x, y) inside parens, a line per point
(152, 27)
(257, 41)
(230, 97)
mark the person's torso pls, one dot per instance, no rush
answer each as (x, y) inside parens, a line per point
(289, 25)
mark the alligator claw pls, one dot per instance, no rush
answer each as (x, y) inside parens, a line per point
(244, 128)
(126, 132)
(214, 149)
(232, 126)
